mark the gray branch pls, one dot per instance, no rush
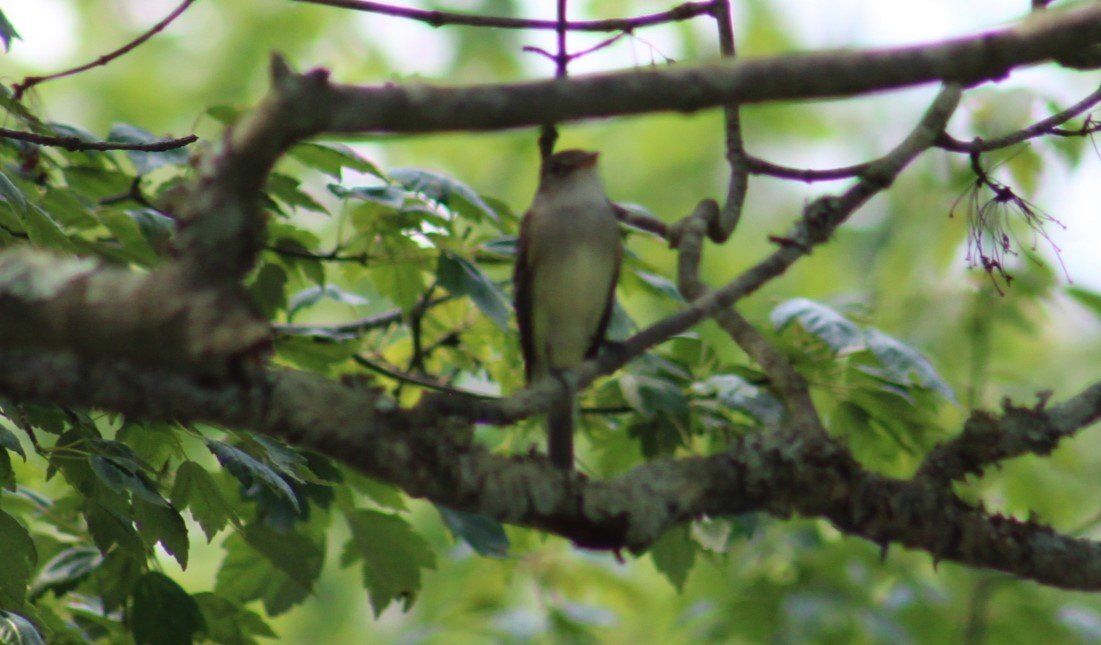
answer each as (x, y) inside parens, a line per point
(966, 61)
(429, 455)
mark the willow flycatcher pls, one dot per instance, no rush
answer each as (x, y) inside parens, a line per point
(568, 258)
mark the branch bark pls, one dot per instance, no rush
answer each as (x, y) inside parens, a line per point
(775, 471)
(966, 61)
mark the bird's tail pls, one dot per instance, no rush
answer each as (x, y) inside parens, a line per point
(560, 420)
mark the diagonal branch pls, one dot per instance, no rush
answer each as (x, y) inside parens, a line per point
(27, 83)
(820, 219)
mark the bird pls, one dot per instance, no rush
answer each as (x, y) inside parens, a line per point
(568, 258)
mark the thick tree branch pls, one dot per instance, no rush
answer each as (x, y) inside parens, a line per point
(51, 303)
(778, 472)
(970, 60)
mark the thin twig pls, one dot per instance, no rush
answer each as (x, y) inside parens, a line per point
(332, 256)
(758, 166)
(416, 379)
(75, 143)
(562, 60)
(27, 83)
(640, 221)
(369, 323)
(967, 60)
(723, 227)
(1045, 127)
(685, 11)
(416, 318)
(1038, 129)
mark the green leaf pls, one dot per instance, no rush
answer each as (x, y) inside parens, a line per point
(461, 276)
(713, 534)
(163, 613)
(392, 555)
(310, 296)
(9, 441)
(906, 365)
(66, 569)
(228, 623)
(196, 491)
(444, 190)
(43, 230)
(837, 332)
(505, 246)
(108, 527)
(656, 436)
(96, 183)
(651, 396)
(224, 114)
(487, 536)
(736, 393)
(1087, 298)
(383, 494)
(7, 474)
(145, 162)
(658, 285)
(322, 468)
(287, 190)
(69, 457)
(127, 231)
(7, 33)
(68, 209)
(317, 353)
(268, 289)
(388, 196)
(674, 555)
(161, 523)
(115, 579)
(401, 282)
(121, 476)
(17, 630)
(152, 443)
(248, 574)
(251, 472)
(296, 555)
(332, 158)
(156, 227)
(20, 557)
(11, 194)
(19, 110)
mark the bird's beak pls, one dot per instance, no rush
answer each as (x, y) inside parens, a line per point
(589, 161)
